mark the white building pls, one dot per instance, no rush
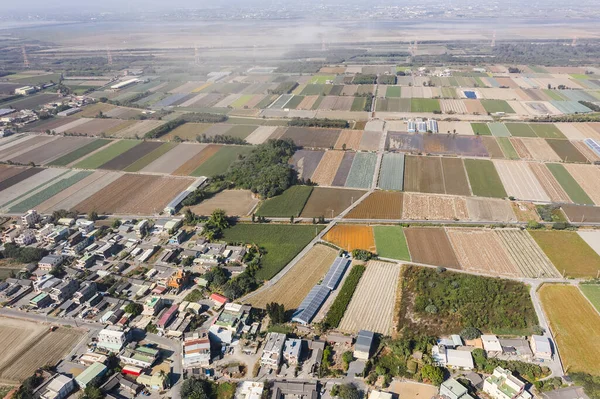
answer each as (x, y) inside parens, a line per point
(292, 350)
(112, 339)
(196, 349)
(380, 395)
(124, 84)
(26, 237)
(541, 348)
(25, 90)
(59, 387)
(503, 385)
(452, 358)
(491, 344)
(271, 356)
(30, 218)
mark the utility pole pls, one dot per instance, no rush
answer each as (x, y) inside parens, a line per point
(25, 59)
(574, 42)
(494, 40)
(109, 56)
(196, 55)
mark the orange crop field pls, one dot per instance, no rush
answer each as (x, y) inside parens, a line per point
(350, 237)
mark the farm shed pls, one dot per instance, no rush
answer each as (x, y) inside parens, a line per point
(459, 359)
(541, 347)
(172, 206)
(491, 343)
(311, 304)
(91, 373)
(335, 273)
(364, 343)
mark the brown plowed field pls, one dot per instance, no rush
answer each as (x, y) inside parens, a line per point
(293, 287)
(434, 207)
(378, 205)
(327, 168)
(582, 213)
(197, 160)
(522, 151)
(19, 177)
(234, 202)
(6, 171)
(312, 138)
(480, 250)
(525, 211)
(550, 184)
(430, 246)
(488, 209)
(588, 177)
(526, 254)
(474, 107)
(455, 177)
(122, 161)
(94, 127)
(586, 151)
(540, 150)
(566, 151)
(307, 103)
(350, 237)
(349, 137)
(134, 194)
(492, 147)
(329, 202)
(424, 175)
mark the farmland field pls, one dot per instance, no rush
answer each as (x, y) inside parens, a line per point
(234, 202)
(571, 255)
(520, 181)
(391, 176)
(362, 170)
(329, 202)
(351, 237)
(378, 205)
(125, 159)
(493, 106)
(569, 184)
(150, 157)
(306, 162)
(492, 147)
(520, 130)
(391, 243)
(481, 129)
(289, 203)
(547, 131)
(592, 293)
(376, 290)
(549, 183)
(79, 153)
(423, 174)
(455, 177)
(291, 289)
(195, 161)
(434, 207)
(480, 250)
(573, 330)
(350, 138)
(524, 252)
(280, 250)
(327, 168)
(101, 157)
(339, 306)
(566, 151)
(588, 178)
(424, 105)
(430, 246)
(484, 178)
(507, 148)
(220, 162)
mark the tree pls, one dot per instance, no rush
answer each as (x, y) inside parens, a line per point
(189, 217)
(151, 328)
(195, 388)
(134, 309)
(187, 261)
(470, 333)
(347, 358)
(116, 223)
(93, 216)
(276, 312)
(92, 392)
(433, 374)
(348, 391)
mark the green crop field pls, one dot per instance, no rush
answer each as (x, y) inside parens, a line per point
(240, 102)
(520, 130)
(315, 90)
(569, 253)
(294, 102)
(290, 203)
(569, 184)
(547, 131)
(241, 131)
(449, 92)
(481, 129)
(275, 238)
(493, 106)
(424, 105)
(358, 104)
(103, 156)
(219, 163)
(484, 178)
(79, 153)
(151, 157)
(321, 79)
(393, 91)
(507, 148)
(391, 243)
(592, 292)
(554, 95)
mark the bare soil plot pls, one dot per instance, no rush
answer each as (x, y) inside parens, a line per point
(51, 150)
(350, 237)
(586, 151)
(305, 162)
(312, 138)
(520, 148)
(409, 389)
(455, 177)
(18, 147)
(351, 138)
(375, 290)
(463, 128)
(50, 124)
(519, 181)
(570, 131)
(423, 174)
(582, 213)
(370, 140)
(135, 194)
(261, 134)
(378, 205)
(588, 177)
(125, 159)
(174, 158)
(566, 151)
(193, 163)
(592, 238)
(434, 207)
(481, 251)
(7, 172)
(452, 144)
(526, 254)
(540, 150)
(525, 211)
(22, 174)
(344, 170)
(293, 287)
(549, 182)
(474, 107)
(329, 202)
(138, 129)
(573, 329)
(488, 209)
(95, 127)
(492, 147)
(234, 202)
(453, 106)
(327, 168)
(430, 245)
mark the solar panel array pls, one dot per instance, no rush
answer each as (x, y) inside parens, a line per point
(311, 304)
(335, 273)
(593, 145)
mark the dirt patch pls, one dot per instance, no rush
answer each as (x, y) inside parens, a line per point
(540, 150)
(234, 202)
(430, 246)
(312, 138)
(424, 174)
(488, 209)
(455, 177)
(329, 202)
(343, 170)
(525, 211)
(588, 177)
(351, 138)
(434, 207)
(305, 162)
(327, 168)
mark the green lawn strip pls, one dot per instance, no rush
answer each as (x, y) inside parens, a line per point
(48, 192)
(493, 106)
(424, 105)
(290, 203)
(219, 163)
(484, 178)
(592, 292)
(507, 148)
(547, 131)
(569, 184)
(393, 91)
(342, 300)
(520, 130)
(568, 252)
(100, 158)
(481, 128)
(282, 242)
(80, 152)
(151, 157)
(391, 243)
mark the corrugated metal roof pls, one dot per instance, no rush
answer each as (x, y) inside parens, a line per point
(335, 273)
(311, 304)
